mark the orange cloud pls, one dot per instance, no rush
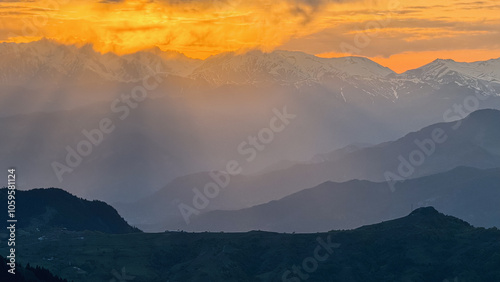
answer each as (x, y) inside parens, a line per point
(411, 60)
(196, 28)
(200, 28)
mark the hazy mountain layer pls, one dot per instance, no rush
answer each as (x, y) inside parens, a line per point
(169, 116)
(466, 193)
(473, 142)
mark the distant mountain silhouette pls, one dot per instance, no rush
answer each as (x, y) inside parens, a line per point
(467, 193)
(56, 208)
(472, 142)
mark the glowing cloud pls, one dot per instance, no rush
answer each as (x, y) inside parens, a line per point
(200, 28)
(196, 28)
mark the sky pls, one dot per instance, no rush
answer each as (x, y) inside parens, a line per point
(398, 34)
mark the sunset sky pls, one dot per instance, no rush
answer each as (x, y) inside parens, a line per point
(398, 34)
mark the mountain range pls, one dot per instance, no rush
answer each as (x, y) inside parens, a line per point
(199, 113)
(471, 142)
(466, 193)
(37, 60)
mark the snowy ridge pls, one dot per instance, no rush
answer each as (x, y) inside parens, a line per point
(484, 70)
(347, 78)
(46, 59)
(483, 76)
(285, 67)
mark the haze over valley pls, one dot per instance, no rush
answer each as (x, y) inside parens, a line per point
(229, 140)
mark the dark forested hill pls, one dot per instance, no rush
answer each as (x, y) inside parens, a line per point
(425, 246)
(26, 274)
(48, 208)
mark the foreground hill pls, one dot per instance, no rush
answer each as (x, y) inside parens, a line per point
(423, 246)
(467, 193)
(26, 273)
(55, 208)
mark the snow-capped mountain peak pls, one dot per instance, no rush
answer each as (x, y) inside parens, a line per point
(45, 60)
(360, 66)
(347, 78)
(284, 67)
(484, 70)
